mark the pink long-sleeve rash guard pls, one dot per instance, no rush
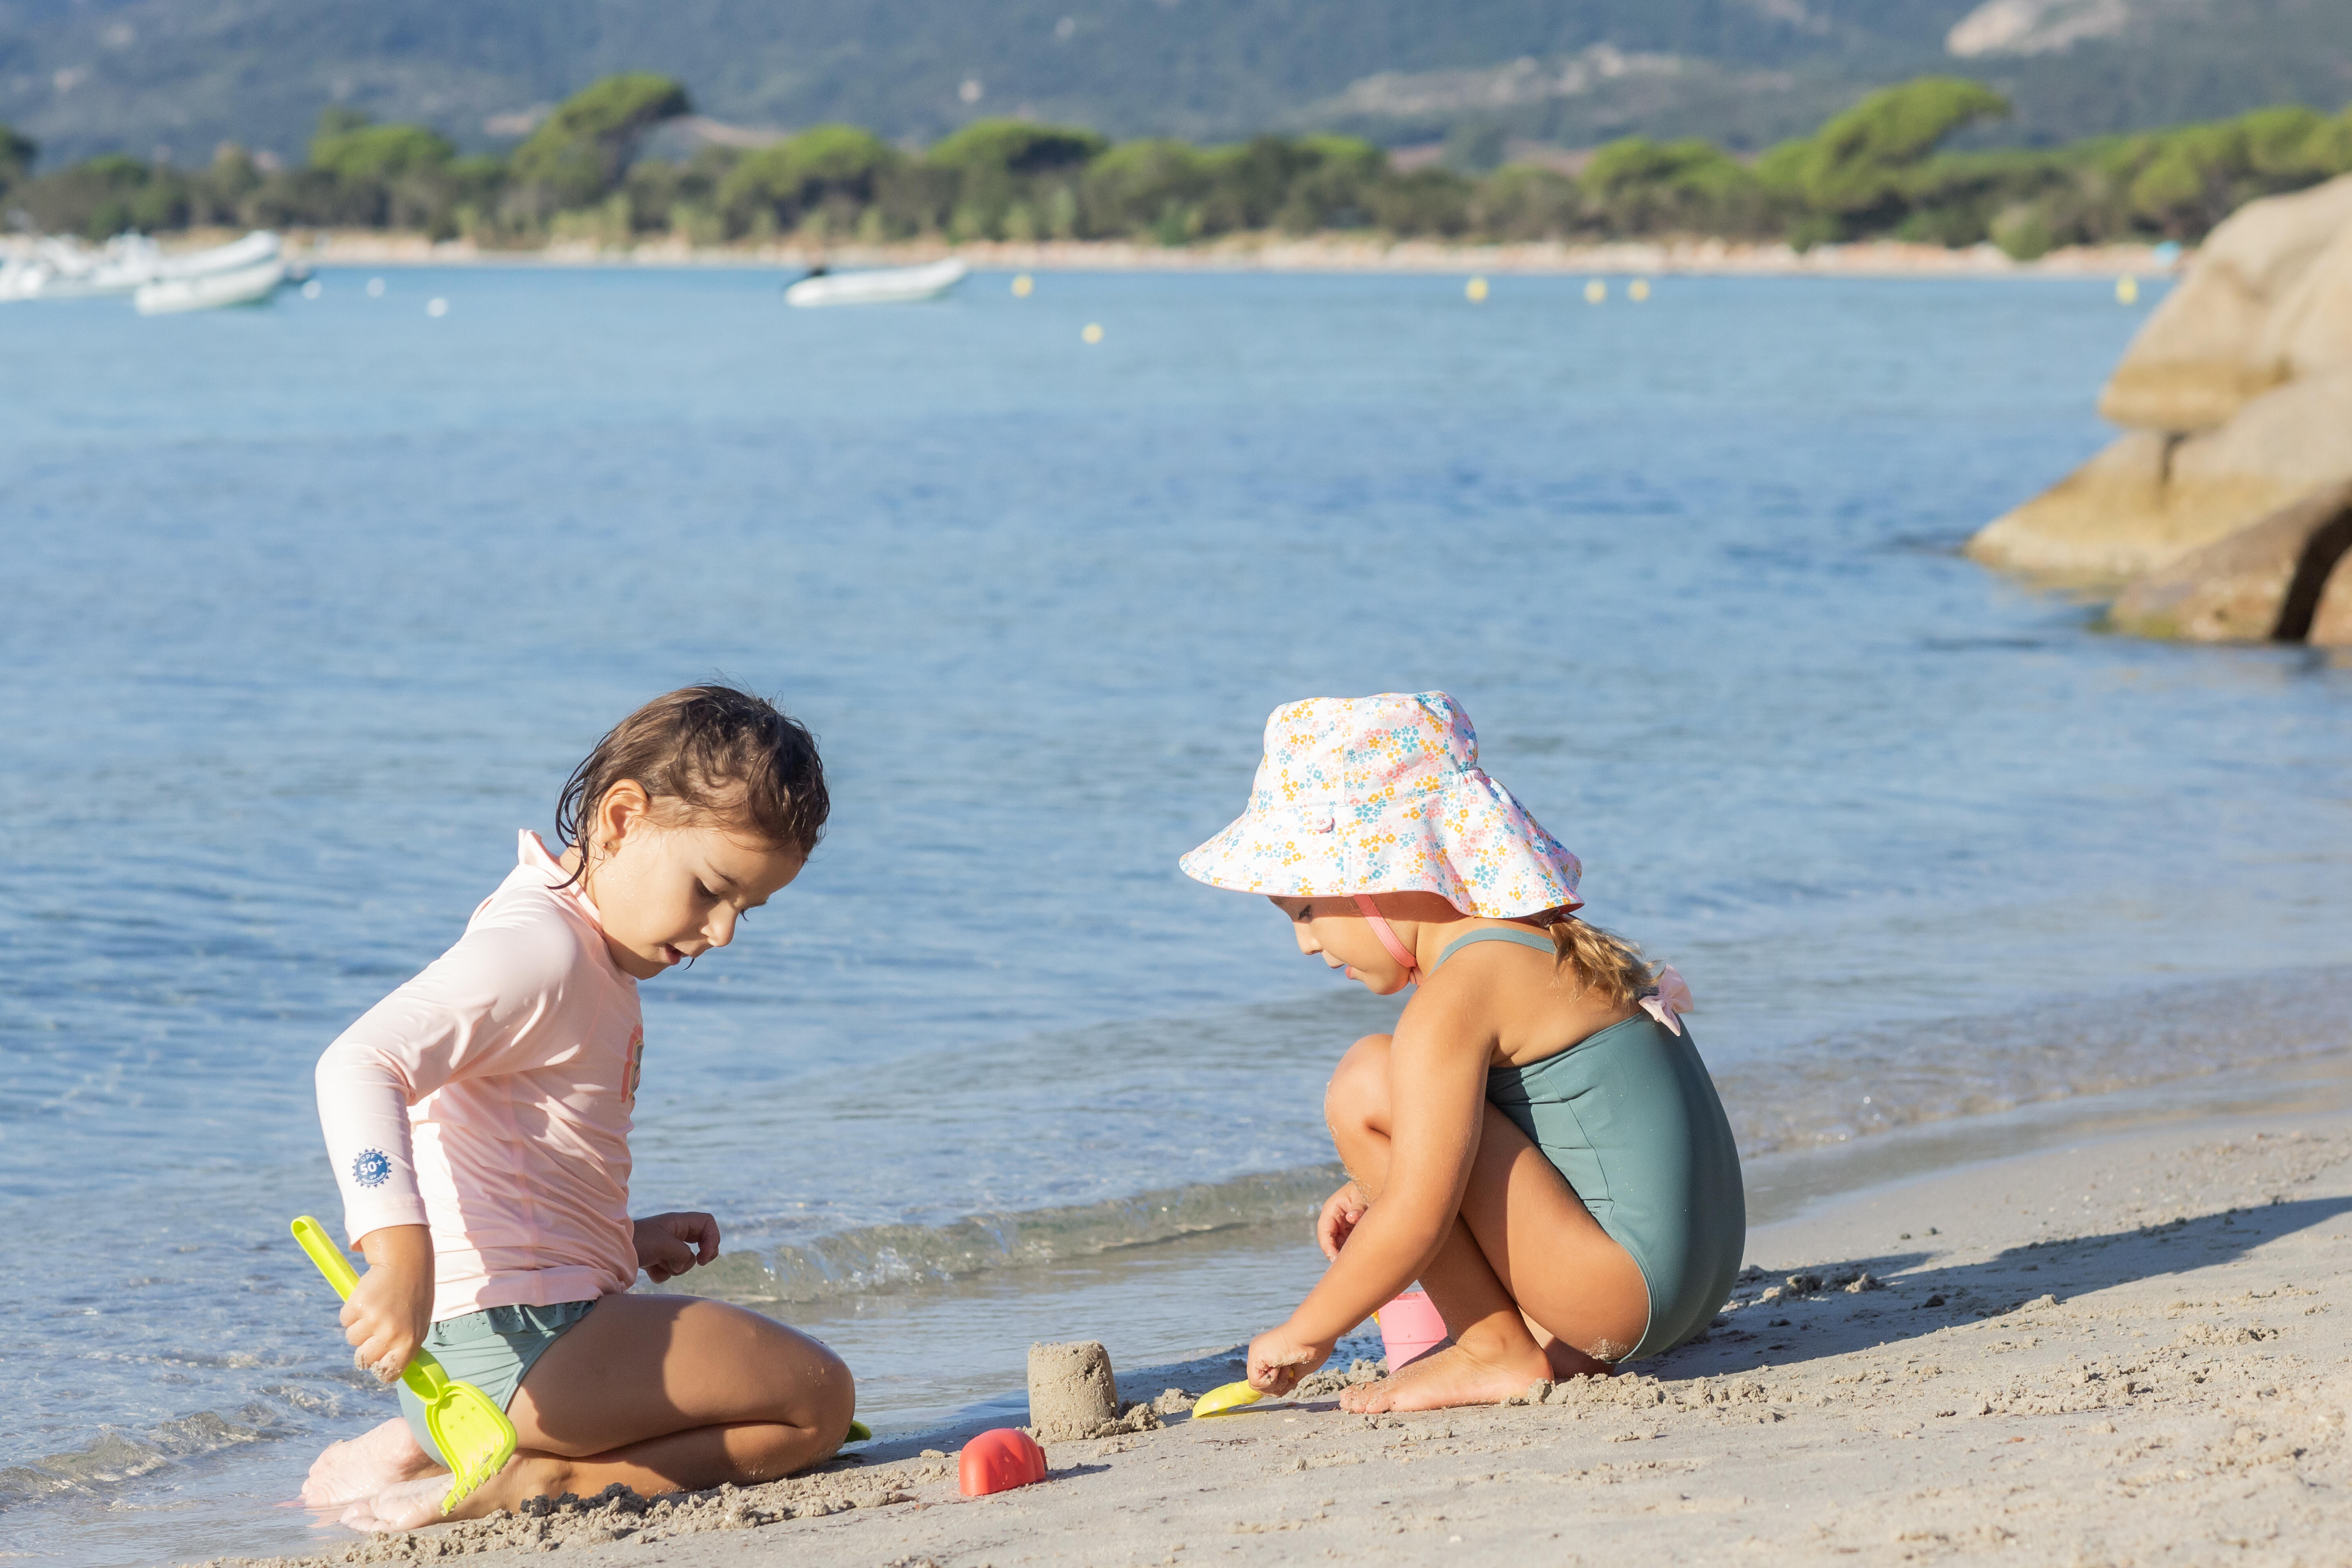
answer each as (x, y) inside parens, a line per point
(489, 1099)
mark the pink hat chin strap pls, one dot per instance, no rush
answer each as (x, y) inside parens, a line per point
(1389, 939)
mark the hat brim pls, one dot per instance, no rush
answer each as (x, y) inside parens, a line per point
(1468, 842)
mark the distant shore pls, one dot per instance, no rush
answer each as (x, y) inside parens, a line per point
(1266, 253)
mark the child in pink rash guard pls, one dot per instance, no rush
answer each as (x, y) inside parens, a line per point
(478, 1121)
(525, 1034)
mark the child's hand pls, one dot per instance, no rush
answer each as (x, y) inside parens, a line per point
(670, 1244)
(391, 1307)
(1279, 1358)
(1341, 1210)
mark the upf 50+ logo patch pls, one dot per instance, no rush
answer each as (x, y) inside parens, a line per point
(370, 1168)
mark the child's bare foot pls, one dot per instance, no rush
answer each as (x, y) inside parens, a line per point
(1450, 1376)
(363, 1465)
(405, 1505)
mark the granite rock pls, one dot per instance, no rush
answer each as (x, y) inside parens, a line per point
(2250, 313)
(2240, 589)
(2331, 620)
(2237, 396)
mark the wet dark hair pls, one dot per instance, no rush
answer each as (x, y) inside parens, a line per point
(718, 752)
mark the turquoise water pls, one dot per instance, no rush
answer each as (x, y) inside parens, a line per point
(308, 609)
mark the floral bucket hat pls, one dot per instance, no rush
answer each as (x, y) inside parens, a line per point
(1384, 794)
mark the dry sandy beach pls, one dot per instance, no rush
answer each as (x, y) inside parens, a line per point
(2128, 1351)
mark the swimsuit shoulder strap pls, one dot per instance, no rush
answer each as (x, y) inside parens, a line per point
(1495, 933)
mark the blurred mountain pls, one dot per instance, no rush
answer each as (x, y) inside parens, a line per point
(181, 76)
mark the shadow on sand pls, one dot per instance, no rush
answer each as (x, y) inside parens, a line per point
(1832, 1321)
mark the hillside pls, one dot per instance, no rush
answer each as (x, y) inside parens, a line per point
(89, 76)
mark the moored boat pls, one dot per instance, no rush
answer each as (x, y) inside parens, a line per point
(65, 269)
(881, 285)
(249, 285)
(259, 246)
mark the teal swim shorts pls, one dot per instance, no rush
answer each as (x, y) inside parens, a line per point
(492, 1348)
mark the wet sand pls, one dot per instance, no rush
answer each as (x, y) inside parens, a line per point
(2129, 1351)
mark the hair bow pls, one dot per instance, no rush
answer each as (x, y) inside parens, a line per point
(1670, 1000)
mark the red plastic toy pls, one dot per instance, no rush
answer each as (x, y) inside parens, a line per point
(998, 1461)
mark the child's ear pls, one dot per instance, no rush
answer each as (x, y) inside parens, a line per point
(626, 805)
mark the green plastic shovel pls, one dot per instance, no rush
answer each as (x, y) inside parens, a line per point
(473, 1434)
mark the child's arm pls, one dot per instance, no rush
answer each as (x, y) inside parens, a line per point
(1437, 1084)
(1338, 1221)
(364, 1092)
(364, 1096)
(463, 1016)
(391, 1307)
(670, 1244)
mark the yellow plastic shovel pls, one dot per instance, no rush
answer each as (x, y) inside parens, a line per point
(1232, 1396)
(473, 1434)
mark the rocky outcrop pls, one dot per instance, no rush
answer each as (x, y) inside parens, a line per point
(2268, 298)
(2262, 583)
(2237, 399)
(2331, 618)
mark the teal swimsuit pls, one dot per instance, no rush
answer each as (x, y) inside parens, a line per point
(494, 1349)
(1629, 1118)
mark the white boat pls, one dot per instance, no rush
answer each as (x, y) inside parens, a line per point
(63, 269)
(236, 255)
(248, 285)
(882, 286)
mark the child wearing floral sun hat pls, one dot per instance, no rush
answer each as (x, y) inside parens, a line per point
(1537, 1143)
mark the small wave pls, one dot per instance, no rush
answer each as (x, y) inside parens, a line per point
(118, 1456)
(887, 1258)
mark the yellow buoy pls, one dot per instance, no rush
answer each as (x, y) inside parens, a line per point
(1638, 290)
(1022, 284)
(1475, 290)
(1093, 334)
(2126, 290)
(1595, 291)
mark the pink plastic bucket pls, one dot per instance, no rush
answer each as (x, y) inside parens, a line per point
(1410, 1327)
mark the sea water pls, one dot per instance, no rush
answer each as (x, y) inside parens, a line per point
(305, 611)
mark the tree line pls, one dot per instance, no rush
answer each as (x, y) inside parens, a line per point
(1883, 168)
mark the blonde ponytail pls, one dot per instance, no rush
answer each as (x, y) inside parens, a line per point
(1607, 966)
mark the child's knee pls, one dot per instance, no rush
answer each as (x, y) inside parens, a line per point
(829, 1393)
(1358, 1095)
